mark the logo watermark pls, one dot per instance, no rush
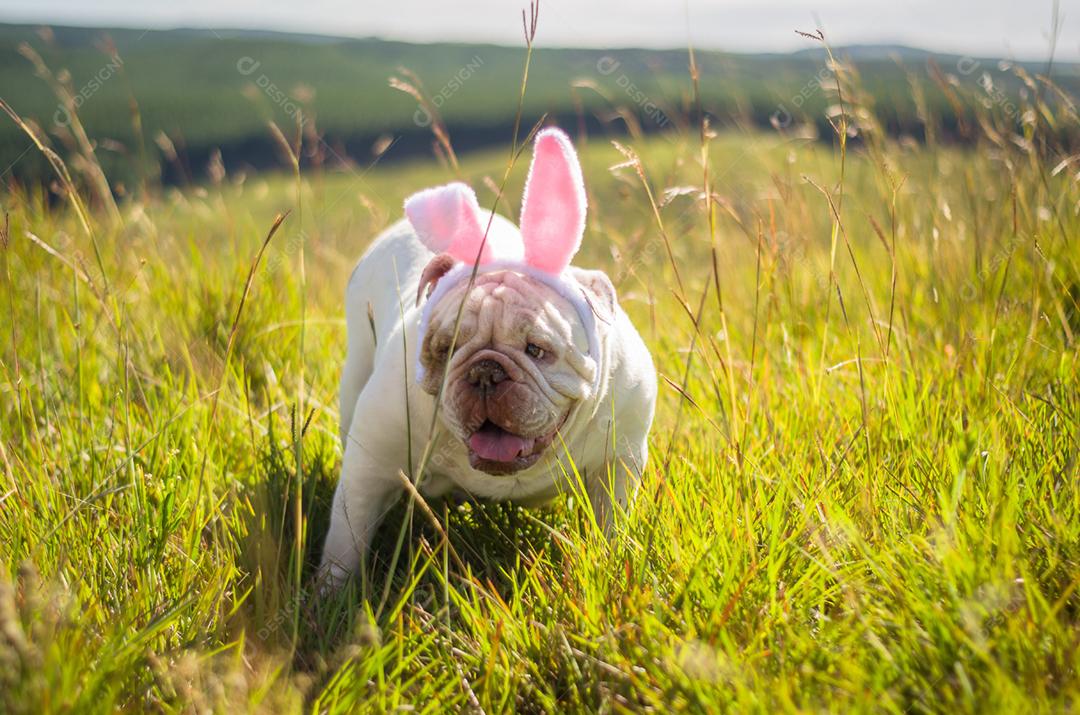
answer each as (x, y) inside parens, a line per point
(62, 116)
(248, 66)
(782, 117)
(607, 66)
(422, 117)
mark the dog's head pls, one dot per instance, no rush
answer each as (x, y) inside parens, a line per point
(519, 363)
(524, 350)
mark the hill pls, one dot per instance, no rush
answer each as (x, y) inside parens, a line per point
(208, 90)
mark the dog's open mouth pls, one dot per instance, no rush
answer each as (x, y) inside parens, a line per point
(495, 450)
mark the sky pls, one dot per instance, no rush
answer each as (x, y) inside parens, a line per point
(1016, 29)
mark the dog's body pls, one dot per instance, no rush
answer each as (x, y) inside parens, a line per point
(509, 429)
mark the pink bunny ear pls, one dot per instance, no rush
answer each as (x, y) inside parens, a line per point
(447, 220)
(553, 208)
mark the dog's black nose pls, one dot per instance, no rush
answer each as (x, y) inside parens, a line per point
(484, 375)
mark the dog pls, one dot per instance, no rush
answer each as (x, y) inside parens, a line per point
(474, 342)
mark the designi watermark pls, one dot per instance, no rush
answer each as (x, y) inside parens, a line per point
(62, 115)
(782, 117)
(608, 66)
(422, 117)
(248, 66)
(995, 95)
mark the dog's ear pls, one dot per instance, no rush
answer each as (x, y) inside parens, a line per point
(599, 292)
(447, 220)
(436, 268)
(553, 207)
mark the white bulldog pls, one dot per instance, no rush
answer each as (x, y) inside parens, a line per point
(517, 368)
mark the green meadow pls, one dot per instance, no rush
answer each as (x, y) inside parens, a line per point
(862, 494)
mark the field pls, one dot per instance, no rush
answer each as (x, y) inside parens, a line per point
(863, 491)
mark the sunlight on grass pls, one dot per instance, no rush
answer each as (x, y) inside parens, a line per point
(862, 495)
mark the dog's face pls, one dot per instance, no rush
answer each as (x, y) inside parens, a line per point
(518, 366)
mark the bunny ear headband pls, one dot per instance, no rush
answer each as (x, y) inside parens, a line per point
(448, 219)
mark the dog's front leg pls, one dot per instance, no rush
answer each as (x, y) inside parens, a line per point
(363, 496)
(369, 483)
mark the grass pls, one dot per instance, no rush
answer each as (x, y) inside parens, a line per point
(862, 495)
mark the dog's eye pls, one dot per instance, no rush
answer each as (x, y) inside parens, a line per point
(534, 351)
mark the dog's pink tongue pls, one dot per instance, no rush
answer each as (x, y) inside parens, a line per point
(499, 445)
